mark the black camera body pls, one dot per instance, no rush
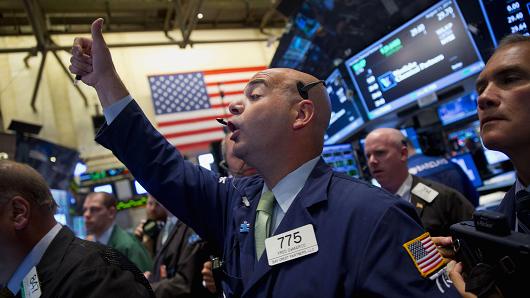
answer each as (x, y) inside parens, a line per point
(492, 254)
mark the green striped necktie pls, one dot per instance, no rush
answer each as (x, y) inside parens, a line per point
(263, 221)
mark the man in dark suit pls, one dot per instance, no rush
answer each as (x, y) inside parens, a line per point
(503, 108)
(437, 205)
(180, 253)
(40, 257)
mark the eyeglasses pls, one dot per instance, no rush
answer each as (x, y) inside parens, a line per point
(304, 89)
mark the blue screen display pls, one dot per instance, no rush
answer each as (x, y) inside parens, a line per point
(341, 159)
(345, 117)
(458, 109)
(473, 132)
(465, 161)
(410, 133)
(430, 52)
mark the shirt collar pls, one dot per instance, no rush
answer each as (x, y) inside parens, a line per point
(404, 189)
(105, 237)
(32, 259)
(288, 188)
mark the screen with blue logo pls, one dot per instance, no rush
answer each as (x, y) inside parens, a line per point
(458, 109)
(341, 159)
(345, 117)
(465, 161)
(430, 52)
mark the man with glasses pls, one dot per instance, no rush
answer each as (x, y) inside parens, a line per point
(296, 230)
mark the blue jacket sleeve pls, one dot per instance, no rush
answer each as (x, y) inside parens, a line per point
(390, 269)
(193, 194)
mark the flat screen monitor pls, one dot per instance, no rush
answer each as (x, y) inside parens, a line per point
(123, 189)
(295, 53)
(61, 198)
(306, 24)
(341, 159)
(473, 132)
(345, 117)
(412, 136)
(79, 227)
(465, 161)
(138, 188)
(104, 188)
(432, 51)
(505, 17)
(458, 109)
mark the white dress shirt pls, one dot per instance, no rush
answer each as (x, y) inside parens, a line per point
(405, 188)
(287, 189)
(105, 237)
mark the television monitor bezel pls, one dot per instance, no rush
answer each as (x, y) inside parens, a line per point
(411, 97)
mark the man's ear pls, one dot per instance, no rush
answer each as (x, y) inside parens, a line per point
(20, 212)
(113, 211)
(305, 111)
(404, 153)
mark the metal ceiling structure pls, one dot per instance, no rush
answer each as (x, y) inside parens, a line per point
(46, 18)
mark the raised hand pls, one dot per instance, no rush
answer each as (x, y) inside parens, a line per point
(91, 59)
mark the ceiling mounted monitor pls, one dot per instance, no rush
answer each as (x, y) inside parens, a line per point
(428, 53)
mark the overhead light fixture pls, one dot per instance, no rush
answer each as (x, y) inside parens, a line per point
(200, 16)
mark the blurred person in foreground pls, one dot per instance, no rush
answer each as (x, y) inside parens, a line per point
(40, 257)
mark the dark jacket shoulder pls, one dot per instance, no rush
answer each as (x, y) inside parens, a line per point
(72, 267)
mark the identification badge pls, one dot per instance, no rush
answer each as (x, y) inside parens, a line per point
(291, 245)
(31, 284)
(426, 193)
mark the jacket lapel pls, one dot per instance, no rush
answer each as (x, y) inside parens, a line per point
(244, 218)
(416, 201)
(48, 266)
(160, 252)
(298, 214)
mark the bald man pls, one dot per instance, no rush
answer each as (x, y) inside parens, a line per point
(438, 206)
(41, 258)
(298, 229)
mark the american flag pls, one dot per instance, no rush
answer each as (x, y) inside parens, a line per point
(424, 254)
(186, 104)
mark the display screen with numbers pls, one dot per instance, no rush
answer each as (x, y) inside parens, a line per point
(345, 117)
(505, 17)
(430, 52)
